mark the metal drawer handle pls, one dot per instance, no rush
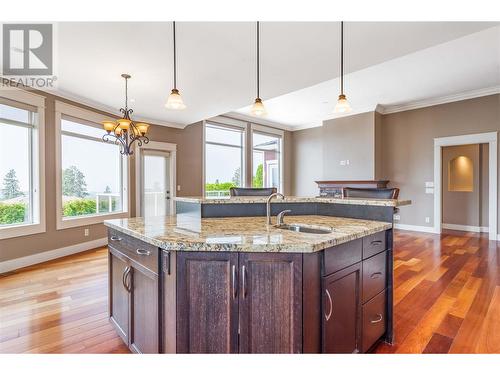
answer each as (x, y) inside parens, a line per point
(330, 302)
(375, 275)
(379, 319)
(116, 238)
(376, 242)
(233, 277)
(143, 252)
(126, 272)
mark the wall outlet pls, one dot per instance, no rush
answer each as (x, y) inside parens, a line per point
(429, 190)
(178, 187)
(342, 162)
(86, 232)
(429, 184)
(347, 162)
(427, 219)
(397, 217)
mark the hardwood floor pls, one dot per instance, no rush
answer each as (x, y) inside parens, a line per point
(446, 294)
(58, 307)
(447, 300)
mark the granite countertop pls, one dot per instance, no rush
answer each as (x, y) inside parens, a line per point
(292, 199)
(250, 234)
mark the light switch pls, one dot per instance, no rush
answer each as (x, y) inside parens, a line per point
(178, 187)
(429, 184)
(429, 190)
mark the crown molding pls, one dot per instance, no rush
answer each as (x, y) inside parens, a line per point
(258, 121)
(110, 110)
(386, 109)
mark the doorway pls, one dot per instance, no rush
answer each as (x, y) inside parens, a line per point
(155, 179)
(457, 173)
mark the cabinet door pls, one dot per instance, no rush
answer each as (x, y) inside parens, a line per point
(118, 294)
(143, 310)
(341, 311)
(207, 302)
(270, 303)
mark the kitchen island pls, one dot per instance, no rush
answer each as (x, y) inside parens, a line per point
(194, 284)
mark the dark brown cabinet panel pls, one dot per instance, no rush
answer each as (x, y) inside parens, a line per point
(207, 302)
(144, 311)
(341, 310)
(374, 320)
(374, 243)
(118, 294)
(342, 256)
(374, 275)
(270, 303)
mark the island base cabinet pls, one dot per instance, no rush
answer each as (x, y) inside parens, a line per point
(341, 310)
(133, 302)
(270, 303)
(207, 302)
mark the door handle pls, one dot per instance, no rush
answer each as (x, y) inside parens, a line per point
(233, 281)
(330, 302)
(115, 238)
(378, 319)
(166, 262)
(124, 278)
(375, 275)
(143, 252)
(129, 277)
(244, 280)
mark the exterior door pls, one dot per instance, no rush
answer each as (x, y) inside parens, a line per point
(155, 183)
(270, 303)
(341, 311)
(207, 302)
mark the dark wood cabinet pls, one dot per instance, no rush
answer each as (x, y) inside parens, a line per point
(270, 303)
(143, 310)
(207, 302)
(118, 294)
(341, 310)
(133, 301)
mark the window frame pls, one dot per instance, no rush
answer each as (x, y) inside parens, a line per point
(231, 125)
(22, 99)
(62, 110)
(265, 130)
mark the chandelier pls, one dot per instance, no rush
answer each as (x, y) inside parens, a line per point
(125, 131)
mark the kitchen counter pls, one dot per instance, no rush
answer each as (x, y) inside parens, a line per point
(244, 234)
(292, 199)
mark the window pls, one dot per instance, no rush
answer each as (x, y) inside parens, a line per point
(266, 159)
(92, 178)
(224, 159)
(21, 134)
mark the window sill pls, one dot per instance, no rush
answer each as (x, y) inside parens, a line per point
(21, 230)
(89, 220)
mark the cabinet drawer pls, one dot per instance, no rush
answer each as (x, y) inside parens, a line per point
(374, 244)
(374, 275)
(342, 256)
(374, 320)
(141, 252)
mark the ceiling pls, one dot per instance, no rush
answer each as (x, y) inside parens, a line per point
(388, 63)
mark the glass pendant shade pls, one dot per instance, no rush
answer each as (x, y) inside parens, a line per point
(342, 105)
(124, 124)
(109, 125)
(142, 127)
(258, 108)
(174, 100)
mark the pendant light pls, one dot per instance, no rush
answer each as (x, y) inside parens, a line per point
(174, 100)
(342, 105)
(258, 108)
(125, 131)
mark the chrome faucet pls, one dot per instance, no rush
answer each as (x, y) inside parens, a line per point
(280, 216)
(268, 205)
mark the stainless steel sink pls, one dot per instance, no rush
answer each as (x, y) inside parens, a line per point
(305, 228)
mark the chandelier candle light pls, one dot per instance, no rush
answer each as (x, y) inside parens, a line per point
(342, 105)
(125, 131)
(174, 100)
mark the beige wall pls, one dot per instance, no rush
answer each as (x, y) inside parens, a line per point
(189, 172)
(462, 207)
(317, 152)
(408, 146)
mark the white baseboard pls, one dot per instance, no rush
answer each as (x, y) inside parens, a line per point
(415, 228)
(14, 264)
(466, 228)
